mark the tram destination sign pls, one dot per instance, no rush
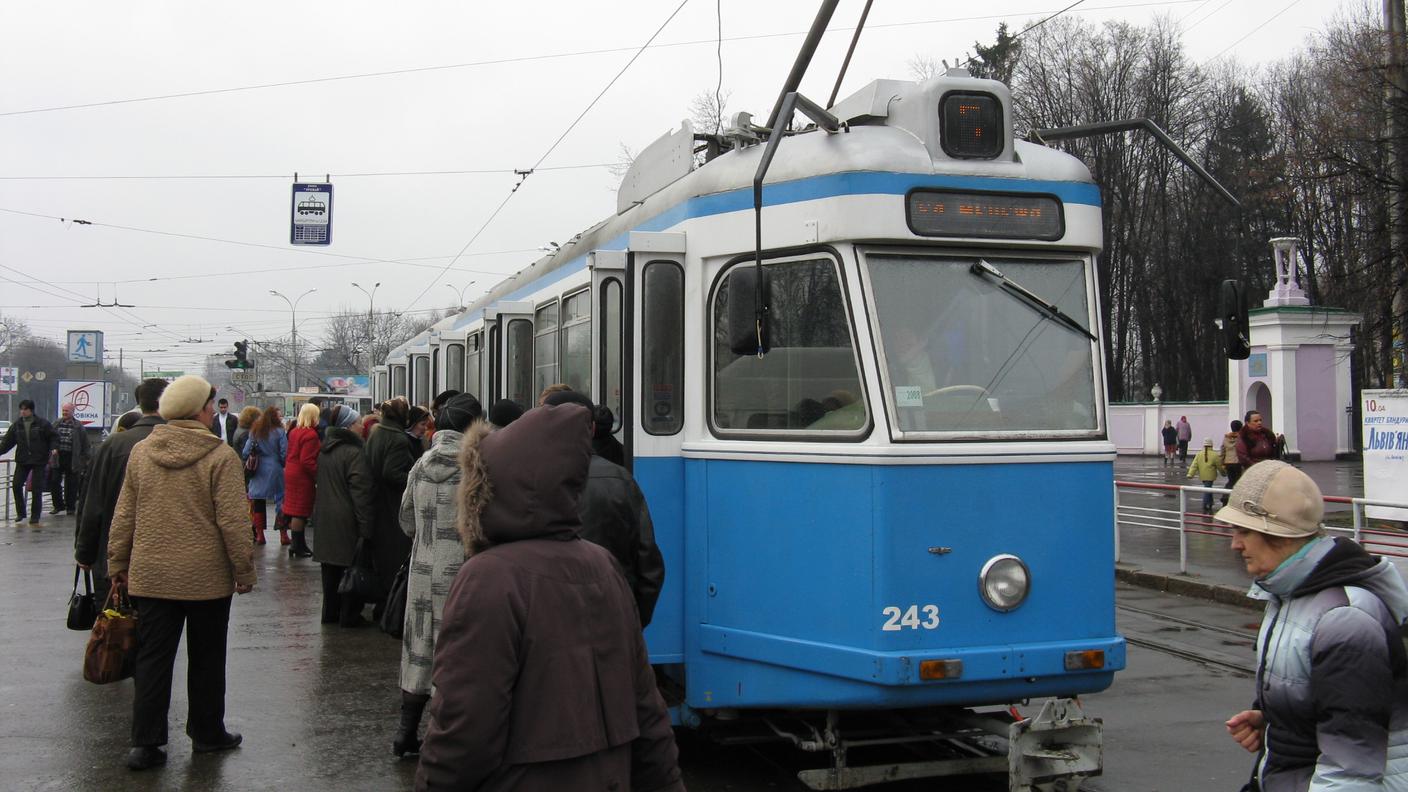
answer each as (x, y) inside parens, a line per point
(311, 215)
(984, 215)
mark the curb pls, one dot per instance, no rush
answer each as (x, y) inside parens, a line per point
(1187, 586)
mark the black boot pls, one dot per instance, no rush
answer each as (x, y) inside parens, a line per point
(408, 734)
(299, 548)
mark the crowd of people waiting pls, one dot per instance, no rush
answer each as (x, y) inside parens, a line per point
(521, 542)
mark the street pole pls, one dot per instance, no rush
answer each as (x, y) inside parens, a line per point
(371, 322)
(293, 313)
(1397, 151)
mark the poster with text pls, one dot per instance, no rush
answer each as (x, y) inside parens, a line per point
(1386, 451)
(89, 400)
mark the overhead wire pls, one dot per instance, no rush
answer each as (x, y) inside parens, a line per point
(540, 57)
(550, 150)
(1253, 31)
(254, 176)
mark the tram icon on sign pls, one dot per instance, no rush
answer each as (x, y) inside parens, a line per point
(312, 206)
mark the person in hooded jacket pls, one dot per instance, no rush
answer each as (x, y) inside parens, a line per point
(180, 545)
(388, 454)
(541, 676)
(428, 516)
(1229, 457)
(1331, 704)
(343, 514)
(614, 515)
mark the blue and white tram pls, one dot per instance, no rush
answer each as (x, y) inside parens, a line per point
(905, 503)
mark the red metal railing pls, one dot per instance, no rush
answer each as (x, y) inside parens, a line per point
(1381, 542)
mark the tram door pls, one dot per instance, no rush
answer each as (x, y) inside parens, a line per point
(656, 397)
(514, 350)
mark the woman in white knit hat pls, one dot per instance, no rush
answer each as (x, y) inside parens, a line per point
(1331, 704)
(180, 545)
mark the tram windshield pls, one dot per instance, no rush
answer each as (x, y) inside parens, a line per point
(969, 348)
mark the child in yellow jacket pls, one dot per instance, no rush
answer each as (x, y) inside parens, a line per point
(1206, 466)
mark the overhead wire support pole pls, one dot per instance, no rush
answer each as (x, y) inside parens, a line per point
(846, 64)
(1130, 125)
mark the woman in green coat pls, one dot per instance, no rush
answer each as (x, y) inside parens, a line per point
(341, 516)
(1206, 465)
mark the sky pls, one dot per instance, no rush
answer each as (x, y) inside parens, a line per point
(189, 222)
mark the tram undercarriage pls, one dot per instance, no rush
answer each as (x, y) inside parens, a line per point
(1053, 751)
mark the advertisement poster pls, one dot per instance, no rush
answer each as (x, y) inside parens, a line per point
(89, 400)
(1386, 451)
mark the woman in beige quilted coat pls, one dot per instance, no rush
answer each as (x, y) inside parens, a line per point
(180, 544)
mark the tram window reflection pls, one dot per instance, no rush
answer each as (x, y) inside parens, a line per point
(810, 381)
(964, 354)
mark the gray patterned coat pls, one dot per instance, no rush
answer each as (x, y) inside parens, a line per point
(429, 509)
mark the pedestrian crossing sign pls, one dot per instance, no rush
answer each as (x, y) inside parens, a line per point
(85, 346)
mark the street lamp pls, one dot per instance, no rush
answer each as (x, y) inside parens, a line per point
(460, 292)
(293, 311)
(371, 321)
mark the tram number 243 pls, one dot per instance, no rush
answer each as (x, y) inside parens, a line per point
(897, 618)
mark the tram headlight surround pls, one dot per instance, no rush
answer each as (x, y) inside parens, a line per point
(1004, 582)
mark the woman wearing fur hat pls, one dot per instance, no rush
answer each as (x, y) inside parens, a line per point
(428, 516)
(541, 675)
(180, 545)
(1331, 704)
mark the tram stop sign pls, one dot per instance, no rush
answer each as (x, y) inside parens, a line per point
(311, 215)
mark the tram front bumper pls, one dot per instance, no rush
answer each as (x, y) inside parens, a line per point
(902, 668)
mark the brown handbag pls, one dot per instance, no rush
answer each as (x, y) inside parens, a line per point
(111, 655)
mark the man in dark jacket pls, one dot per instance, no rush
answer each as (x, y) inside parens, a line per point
(67, 460)
(225, 423)
(33, 439)
(615, 516)
(90, 545)
(541, 676)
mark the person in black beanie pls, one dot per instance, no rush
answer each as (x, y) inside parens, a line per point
(504, 412)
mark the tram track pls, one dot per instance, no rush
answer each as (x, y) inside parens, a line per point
(1148, 629)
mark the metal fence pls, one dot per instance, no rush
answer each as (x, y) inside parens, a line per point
(7, 471)
(1185, 522)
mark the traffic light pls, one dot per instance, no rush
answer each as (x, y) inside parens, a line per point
(241, 359)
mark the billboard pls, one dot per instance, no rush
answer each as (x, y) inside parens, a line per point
(89, 400)
(1385, 451)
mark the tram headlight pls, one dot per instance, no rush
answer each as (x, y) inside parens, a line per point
(1004, 582)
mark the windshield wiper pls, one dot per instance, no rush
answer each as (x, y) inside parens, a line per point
(981, 268)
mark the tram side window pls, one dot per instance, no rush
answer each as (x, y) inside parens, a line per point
(544, 347)
(434, 375)
(380, 393)
(454, 367)
(494, 389)
(662, 348)
(398, 382)
(611, 349)
(577, 341)
(420, 384)
(473, 372)
(810, 380)
(519, 363)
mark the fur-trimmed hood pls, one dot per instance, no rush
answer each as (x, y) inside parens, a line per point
(524, 481)
(474, 490)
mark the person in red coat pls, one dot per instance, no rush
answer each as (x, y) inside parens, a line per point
(300, 475)
(1255, 442)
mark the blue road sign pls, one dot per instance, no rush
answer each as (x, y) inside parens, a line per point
(311, 215)
(85, 346)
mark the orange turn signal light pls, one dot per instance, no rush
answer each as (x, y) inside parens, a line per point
(940, 669)
(1085, 660)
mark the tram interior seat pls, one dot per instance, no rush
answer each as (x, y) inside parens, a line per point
(789, 388)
